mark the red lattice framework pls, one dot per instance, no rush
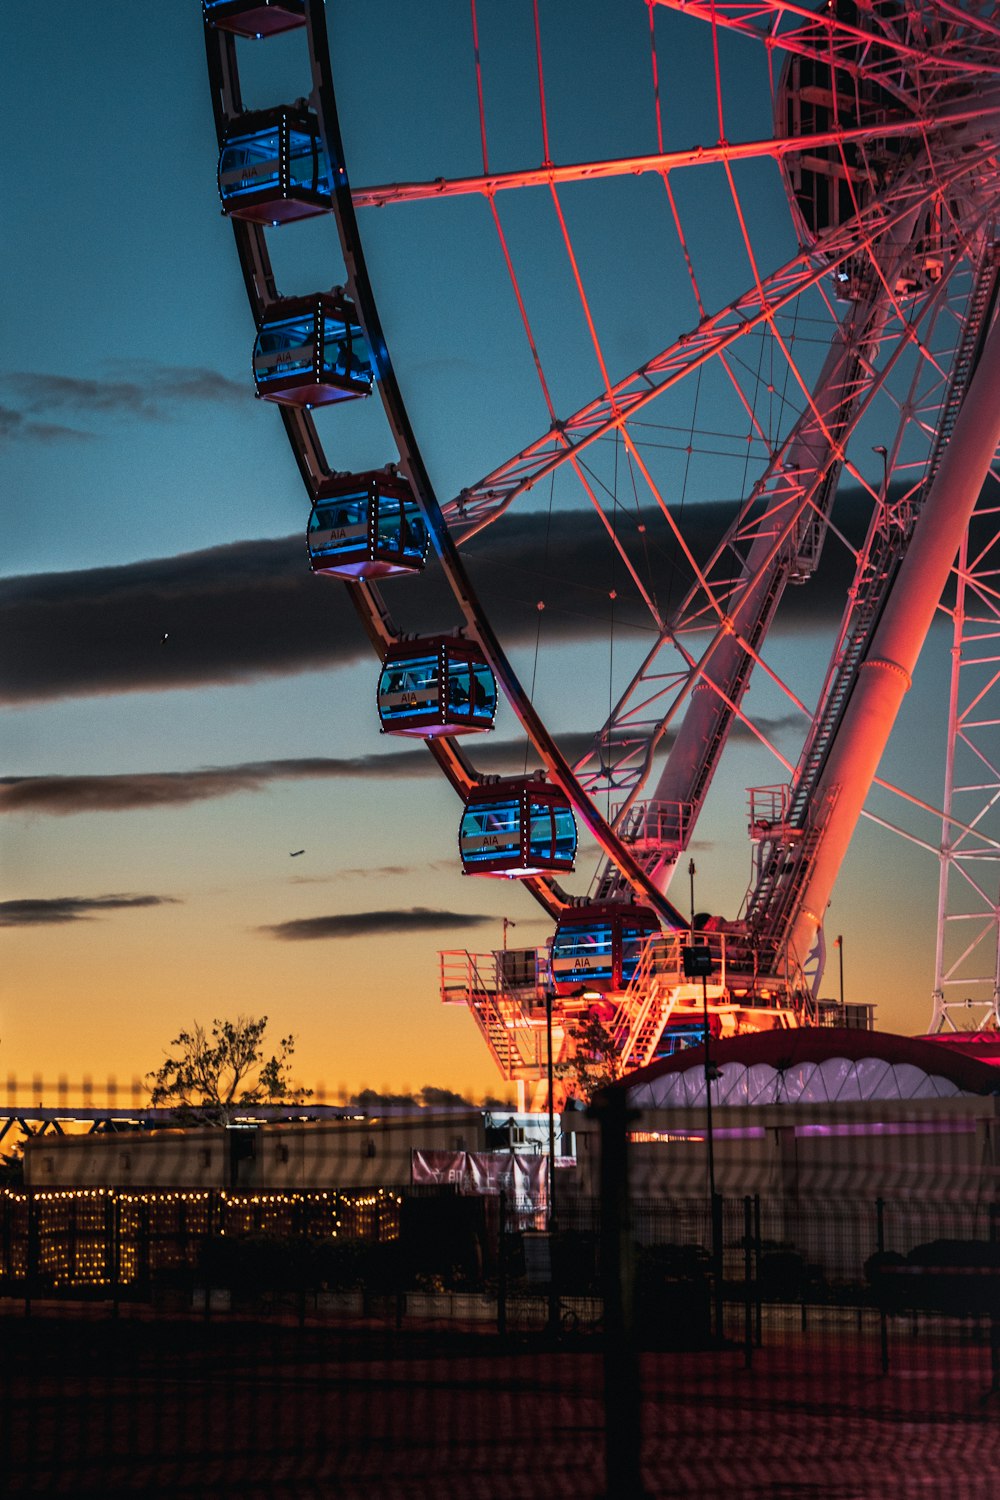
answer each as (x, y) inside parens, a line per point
(876, 324)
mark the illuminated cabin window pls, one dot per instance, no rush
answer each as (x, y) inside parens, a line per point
(366, 526)
(599, 947)
(310, 351)
(441, 685)
(518, 827)
(678, 1035)
(633, 937)
(273, 168)
(254, 18)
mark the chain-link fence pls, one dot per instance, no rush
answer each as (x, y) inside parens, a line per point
(457, 1338)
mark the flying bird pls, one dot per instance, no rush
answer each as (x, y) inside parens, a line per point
(295, 853)
(166, 635)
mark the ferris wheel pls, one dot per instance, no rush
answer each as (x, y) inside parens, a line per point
(798, 368)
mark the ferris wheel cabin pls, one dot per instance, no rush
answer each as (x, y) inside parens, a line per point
(273, 168)
(438, 685)
(254, 18)
(366, 526)
(310, 351)
(517, 826)
(599, 946)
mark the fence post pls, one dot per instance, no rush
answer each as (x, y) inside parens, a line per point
(747, 1284)
(207, 1263)
(502, 1266)
(31, 1269)
(758, 1304)
(994, 1319)
(882, 1317)
(717, 1267)
(144, 1260)
(300, 1234)
(622, 1398)
(112, 1230)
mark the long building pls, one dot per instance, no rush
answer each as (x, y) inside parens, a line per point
(796, 1115)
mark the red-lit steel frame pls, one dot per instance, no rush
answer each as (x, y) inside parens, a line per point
(917, 341)
(300, 427)
(967, 954)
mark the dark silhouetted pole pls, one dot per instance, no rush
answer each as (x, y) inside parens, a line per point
(553, 1288)
(502, 1265)
(622, 1403)
(549, 996)
(697, 963)
(747, 1283)
(708, 1088)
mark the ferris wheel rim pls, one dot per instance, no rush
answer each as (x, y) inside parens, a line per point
(366, 598)
(258, 277)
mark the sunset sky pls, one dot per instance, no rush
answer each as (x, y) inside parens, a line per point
(185, 705)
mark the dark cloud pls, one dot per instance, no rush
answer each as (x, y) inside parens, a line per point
(229, 614)
(367, 923)
(56, 910)
(251, 609)
(139, 389)
(384, 872)
(14, 425)
(63, 796)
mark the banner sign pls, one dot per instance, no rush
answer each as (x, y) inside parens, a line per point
(485, 1173)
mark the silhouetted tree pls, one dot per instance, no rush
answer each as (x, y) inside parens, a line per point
(595, 1062)
(12, 1167)
(214, 1073)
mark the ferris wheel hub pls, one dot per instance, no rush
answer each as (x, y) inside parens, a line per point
(866, 129)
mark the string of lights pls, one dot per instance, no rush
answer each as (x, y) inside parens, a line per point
(94, 1237)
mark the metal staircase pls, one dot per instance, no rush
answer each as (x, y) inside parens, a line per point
(783, 869)
(511, 1018)
(657, 989)
(982, 302)
(784, 861)
(885, 551)
(647, 828)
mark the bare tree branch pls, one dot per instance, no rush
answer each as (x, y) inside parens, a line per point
(208, 1077)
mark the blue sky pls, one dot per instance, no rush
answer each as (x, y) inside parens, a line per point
(132, 442)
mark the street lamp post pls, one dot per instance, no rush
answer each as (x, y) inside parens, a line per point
(698, 964)
(698, 961)
(549, 996)
(553, 1288)
(708, 1086)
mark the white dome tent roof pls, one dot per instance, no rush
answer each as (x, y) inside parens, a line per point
(815, 1065)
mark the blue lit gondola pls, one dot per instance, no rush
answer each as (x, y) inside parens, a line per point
(255, 18)
(437, 685)
(517, 826)
(680, 1034)
(366, 526)
(598, 947)
(273, 168)
(310, 351)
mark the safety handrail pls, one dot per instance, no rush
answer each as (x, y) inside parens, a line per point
(477, 978)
